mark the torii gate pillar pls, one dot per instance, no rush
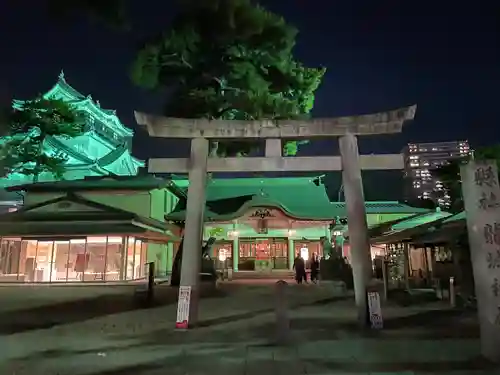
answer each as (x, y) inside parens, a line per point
(193, 231)
(350, 163)
(358, 227)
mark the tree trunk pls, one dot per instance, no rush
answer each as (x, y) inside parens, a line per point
(175, 279)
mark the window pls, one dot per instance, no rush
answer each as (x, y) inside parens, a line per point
(76, 259)
(247, 249)
(96, 250)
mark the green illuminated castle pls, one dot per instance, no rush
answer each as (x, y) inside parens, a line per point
(104, 149)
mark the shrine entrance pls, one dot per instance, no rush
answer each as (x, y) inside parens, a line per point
(263, 254)
(199, 164)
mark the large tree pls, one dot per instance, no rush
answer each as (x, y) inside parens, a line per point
(228, 59)
(24, 149)
(449, 175)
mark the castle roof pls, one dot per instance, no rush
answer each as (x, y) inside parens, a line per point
(62, 89)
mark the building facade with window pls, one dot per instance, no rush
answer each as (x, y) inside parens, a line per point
(420, 159)
(96, 229)
(106, 228)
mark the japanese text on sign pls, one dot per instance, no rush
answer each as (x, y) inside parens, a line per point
(485, 176)
(375, 311)
(485, 224)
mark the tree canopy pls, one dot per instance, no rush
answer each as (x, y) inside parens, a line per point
(228, 59)
(449, 175)
(22, 150)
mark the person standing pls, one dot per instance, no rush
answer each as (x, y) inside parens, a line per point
(314, 268)
(300, 269)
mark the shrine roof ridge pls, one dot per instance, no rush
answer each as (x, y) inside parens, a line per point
(376, 123)
(251, 181)
(111, 182)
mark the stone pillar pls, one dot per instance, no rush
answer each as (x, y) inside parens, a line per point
(406, 268)
(481, 192)
(170, 256)
(328, 237)
(236, 247)
(236, 253)
(291, 253)
(191, 256)
(358, 227)
(339, 242)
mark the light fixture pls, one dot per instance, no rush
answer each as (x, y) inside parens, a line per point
(222, 255)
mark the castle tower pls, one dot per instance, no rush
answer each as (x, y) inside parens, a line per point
(103, 149)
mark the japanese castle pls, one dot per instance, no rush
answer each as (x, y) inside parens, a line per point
(104, 149)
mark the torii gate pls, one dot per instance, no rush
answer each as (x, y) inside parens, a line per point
(200, 131)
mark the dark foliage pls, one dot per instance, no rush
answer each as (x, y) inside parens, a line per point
(233, 60)
(112, 13)
(23, 149)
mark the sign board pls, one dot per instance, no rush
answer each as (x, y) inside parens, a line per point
(304, 253)
(183, 307)
(376, 320)
(481, 194)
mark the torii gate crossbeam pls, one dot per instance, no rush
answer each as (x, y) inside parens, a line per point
(199, 163)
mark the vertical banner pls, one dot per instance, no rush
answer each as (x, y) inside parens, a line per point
(375, 311)
(183, 307)
(481, 194)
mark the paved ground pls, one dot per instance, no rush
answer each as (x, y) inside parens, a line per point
(237, 337)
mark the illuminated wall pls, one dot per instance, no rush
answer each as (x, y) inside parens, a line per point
(108, 258)
(104, 148)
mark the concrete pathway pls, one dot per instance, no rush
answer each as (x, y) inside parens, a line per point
(238, 339)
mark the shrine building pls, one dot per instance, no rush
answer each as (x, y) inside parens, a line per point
(262, 223)
(107, 228)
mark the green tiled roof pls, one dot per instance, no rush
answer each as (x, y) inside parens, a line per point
(97, 183)
(298, 197)
(410, 227)
(29, 221)
(454, 218)
(112, 156)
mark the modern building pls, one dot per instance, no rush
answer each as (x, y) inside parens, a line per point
(106, 228)
(421, 159)
(104, 148)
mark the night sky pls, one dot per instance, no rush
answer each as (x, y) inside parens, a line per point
(379, 55)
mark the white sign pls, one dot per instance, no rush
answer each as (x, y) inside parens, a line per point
(304, 253)
(482, 207)
(183, 307)
(376, 320)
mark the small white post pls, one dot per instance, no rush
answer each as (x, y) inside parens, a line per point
(453, 297)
